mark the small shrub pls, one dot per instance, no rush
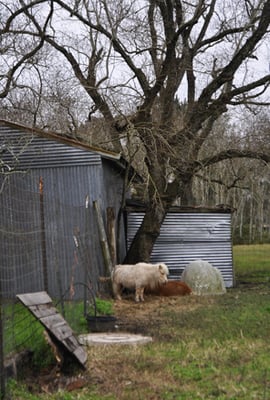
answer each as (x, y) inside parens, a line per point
(103, 307)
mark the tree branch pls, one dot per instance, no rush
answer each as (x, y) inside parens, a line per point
(11, 73)
(228, 72)
(226, 98)
(153, 34)
(169, 68)
(205, 25)
(118, 47)
(230, 154)
(15, 14)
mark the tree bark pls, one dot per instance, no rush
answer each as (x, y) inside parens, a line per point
(145, 238)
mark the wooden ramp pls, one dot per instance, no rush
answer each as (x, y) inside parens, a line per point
(41, 306)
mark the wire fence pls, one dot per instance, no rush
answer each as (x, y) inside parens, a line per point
(45, 244)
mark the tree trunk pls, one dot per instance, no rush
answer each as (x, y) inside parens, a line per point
(146, 236)
(187, 197)
(144, 240)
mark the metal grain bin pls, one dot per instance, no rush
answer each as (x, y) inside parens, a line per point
(188, 234)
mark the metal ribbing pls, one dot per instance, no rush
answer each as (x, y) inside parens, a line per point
(185, 237)
(69, 175)
(30, 151)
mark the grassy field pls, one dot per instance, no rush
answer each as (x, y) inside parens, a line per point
(252, 263)
(210, 347)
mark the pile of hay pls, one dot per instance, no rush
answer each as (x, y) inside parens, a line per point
(203, 278)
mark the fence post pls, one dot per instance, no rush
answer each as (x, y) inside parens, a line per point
(43, 235)
(85, 264)
(111, 233)
(2, 371)
(103, 239)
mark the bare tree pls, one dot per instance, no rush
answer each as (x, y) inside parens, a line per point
(133, 59)
(241, 183)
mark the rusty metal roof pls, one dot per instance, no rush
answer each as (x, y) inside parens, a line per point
(60, 139)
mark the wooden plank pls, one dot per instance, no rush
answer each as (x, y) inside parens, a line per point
(71, 342)
(58, 326)
(43, 310)
(53, 320)
(62, 332)
(111, 233)
(40, 305)
(31, 299)
(81, 355)
(103, 238)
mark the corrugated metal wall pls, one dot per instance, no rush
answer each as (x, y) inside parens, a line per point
(69, 175)
(30, 151)
(23, 238)
(185, 237)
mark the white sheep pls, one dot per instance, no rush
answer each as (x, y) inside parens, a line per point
(137, 277)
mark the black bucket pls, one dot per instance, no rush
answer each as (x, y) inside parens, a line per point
(103, 323)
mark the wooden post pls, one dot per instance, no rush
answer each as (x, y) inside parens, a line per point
(111, 233)
(2, 371)
(103, 239)
(85, 263)
(43, 235)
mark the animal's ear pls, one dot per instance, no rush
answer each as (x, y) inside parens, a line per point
(160, 266)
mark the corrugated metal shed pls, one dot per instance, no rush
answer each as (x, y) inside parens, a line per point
(30, 237)
(187, 235)
(38, 149)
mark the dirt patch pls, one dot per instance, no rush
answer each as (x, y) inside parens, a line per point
(140, 317)
(120, 370)
(113, 369)
(137, 318)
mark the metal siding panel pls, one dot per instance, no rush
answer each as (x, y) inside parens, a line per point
(29, 151)
(20, 238)
(60, 166)
(65, 212)
(185, 237)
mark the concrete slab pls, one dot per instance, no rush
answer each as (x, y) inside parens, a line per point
(94, 339)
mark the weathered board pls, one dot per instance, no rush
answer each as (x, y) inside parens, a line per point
(41, 306)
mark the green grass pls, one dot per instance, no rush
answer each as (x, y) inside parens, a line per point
(104, 307)
(217, 350)
(74, 312)
(22, 330)
(252, 263)
(20, 326)
(213, 347)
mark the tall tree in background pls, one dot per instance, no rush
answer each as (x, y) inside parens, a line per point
(242, 183)
(133, 59)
